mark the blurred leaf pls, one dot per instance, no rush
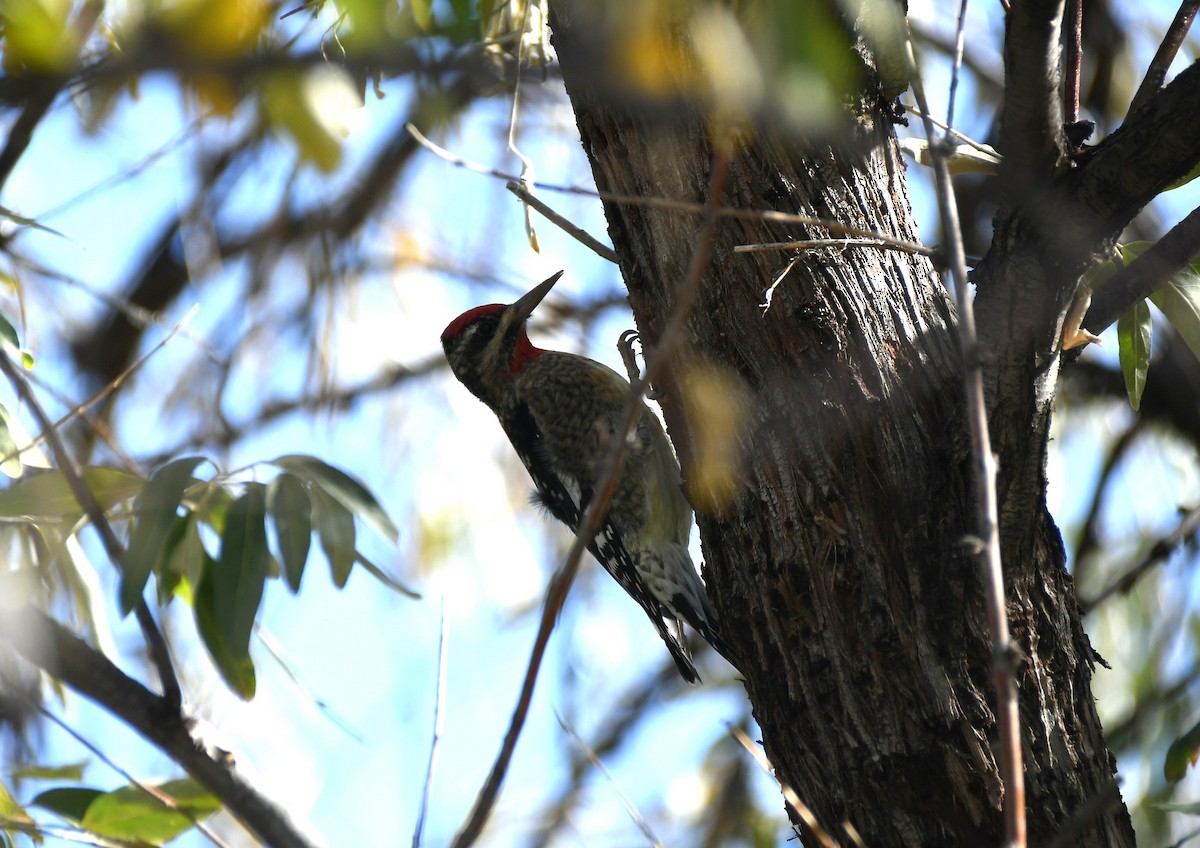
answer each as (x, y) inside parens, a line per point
(1179, 301)
(422, 12)
(719, 402)
(184, 563)
(238, 672)
(311, 106)
(10, 458)
(67, 771)
(9, 808)
(344, 488)
(210, 503)
(241, 570)
(335, 530)
(1134, 330)
(1181, 754)
(132, 814)
(36, 35)
(380, 575)
(155, 514)
(214, 29)
(49, 495)
(8, 333)
(291, 513)
(68, 801)
(1192, 808)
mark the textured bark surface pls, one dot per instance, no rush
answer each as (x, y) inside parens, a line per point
(841, 565)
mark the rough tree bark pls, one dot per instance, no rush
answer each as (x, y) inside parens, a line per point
(842, 566)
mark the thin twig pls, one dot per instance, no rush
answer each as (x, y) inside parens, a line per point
(769, 215)
(789, 794)
(1160, 551)
(817, 244)
(64, 656)
(521, 190)
(1074, 51)
(959, 39)
(438, 724)
(159, 653)
(589, 524)
(613, 730)
(38, 830)
(630, 807)
(1089, 535)
(987, 517)
(155, 793)
(1156, 73)
(950, 131)
(112, 386)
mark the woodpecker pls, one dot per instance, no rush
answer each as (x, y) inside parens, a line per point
(562, 412)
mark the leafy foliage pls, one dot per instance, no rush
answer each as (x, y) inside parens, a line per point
(130, 813)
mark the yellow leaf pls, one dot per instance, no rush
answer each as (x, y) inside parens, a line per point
(216, 29)
(36, 35)
(717, 406)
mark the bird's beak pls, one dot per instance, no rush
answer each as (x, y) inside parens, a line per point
(529, 301)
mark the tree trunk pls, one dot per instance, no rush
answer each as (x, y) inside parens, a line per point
(842, 562)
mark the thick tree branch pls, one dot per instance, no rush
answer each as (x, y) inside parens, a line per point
(1146, 274)
(1167, 50)
(62, 655)
(1131, 167)
(1031, 125)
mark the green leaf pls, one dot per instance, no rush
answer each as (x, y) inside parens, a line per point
(9, 808)
(67, 771)
(8, 333)
(1134, 330)
(155, 513)
(1185, 179)
(241, 570)
(133, 814)
(382, 576)
(341, 486)
(1179, 301)
(1181, 754)
(1192, 808)
(70, 802)
(291, 514)
(48, 494)
(422, 12)
(237, 671)
(335, 530)
(10, 458)
(171, 573)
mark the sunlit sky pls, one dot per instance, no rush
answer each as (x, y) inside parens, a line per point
(353, 773)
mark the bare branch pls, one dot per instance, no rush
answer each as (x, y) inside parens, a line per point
(155, 793)
(629, 806)
(582, 236)
(438, 723)
(1165, 55)
(987, 511)
(1146, 274)
(160, 655)
(676, 205)
(52, 648)
(810, 820)
(1159, 552)
(1031, 125)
